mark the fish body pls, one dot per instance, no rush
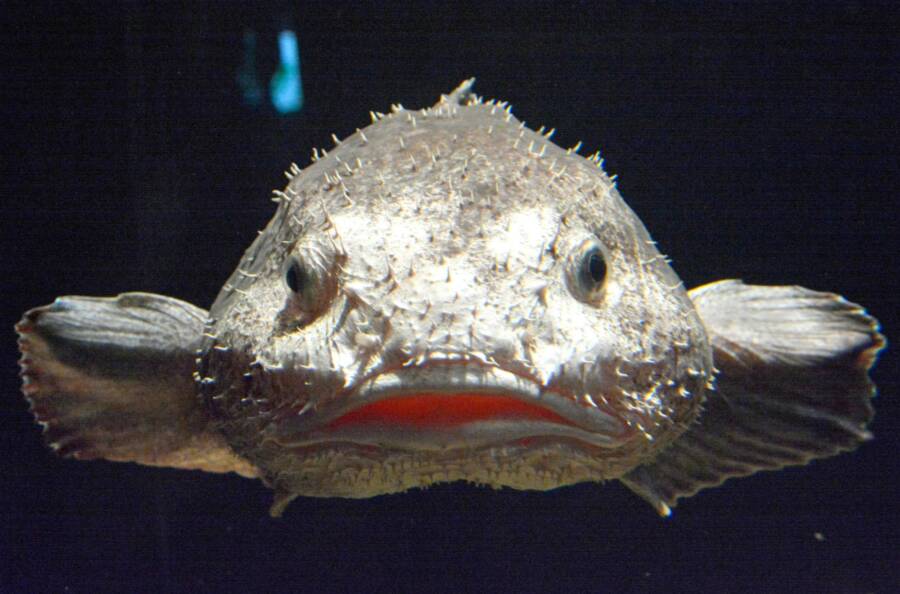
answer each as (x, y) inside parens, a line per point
(448, 295)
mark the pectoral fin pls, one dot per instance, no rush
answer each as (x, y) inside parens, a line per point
(112, 378)
(793, 385)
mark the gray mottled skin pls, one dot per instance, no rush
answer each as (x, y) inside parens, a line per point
(452, 232)
(442, 252)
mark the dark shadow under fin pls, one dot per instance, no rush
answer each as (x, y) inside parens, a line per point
(113, 378)
(792, 386)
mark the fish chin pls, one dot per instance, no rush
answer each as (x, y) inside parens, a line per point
(448, 405)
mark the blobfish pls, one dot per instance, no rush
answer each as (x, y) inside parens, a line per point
(447, 295)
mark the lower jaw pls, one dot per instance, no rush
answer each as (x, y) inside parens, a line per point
(444, 421)
(464, 437)
(358, 471)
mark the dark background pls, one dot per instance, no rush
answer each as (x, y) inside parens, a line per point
(755, 140)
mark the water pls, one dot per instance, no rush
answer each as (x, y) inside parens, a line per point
(756, 145)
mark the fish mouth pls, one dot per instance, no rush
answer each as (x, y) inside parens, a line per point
(446, 405)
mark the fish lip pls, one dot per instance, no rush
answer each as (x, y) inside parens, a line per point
(588, 422)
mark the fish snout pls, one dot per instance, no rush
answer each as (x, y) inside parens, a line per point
(438, 319)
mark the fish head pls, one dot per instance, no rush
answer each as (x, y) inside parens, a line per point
(449, 295)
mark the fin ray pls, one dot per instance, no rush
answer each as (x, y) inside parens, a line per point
(112, 378)
(793, 385)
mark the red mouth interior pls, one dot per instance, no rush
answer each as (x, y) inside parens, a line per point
(432, 410)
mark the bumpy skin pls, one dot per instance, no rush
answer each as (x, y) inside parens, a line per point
(449, 296)
(450, 238)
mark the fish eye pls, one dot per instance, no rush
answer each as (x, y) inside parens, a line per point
(587, 272)
(309, 275)
(593, 268)
(310, 288)
(296, 277)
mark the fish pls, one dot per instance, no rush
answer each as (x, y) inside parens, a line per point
(447, 295)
